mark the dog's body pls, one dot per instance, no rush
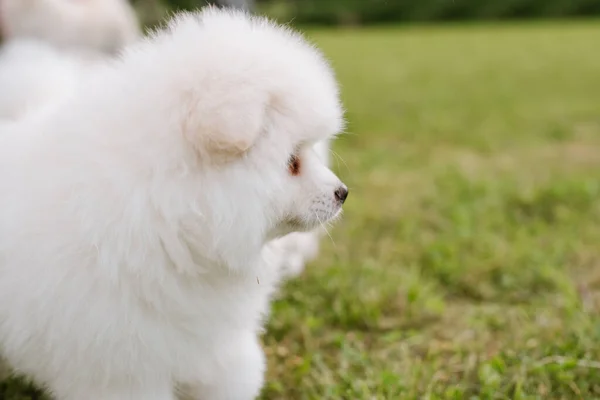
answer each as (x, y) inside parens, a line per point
(102, 25)
(138, 214)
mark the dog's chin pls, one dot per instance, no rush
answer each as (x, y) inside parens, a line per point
(297, 224)
(289, 226)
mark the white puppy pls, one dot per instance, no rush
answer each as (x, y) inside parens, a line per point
(102, 25)
(134, 216)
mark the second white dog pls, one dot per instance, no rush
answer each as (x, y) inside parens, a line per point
(49, 44)
(100, 25)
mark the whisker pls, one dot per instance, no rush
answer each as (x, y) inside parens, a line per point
(338, 158)
(325, 228)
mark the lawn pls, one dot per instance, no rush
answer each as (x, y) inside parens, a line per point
(467, 265)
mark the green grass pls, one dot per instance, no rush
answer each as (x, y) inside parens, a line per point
(467, 265)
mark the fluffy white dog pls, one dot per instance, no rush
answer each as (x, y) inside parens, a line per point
(136, 215)
(102, 25)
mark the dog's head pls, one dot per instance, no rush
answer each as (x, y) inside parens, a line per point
(226, 109)
(257, 99)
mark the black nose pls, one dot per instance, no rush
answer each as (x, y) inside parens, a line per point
(341, 193)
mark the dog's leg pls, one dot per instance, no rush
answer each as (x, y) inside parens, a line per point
(239, 374)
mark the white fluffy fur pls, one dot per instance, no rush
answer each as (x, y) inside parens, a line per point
(104, 25)
(137, 215)
(35, 75)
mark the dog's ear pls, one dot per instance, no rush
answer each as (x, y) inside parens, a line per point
(225, 127)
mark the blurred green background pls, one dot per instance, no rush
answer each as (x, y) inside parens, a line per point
(467, 265)
(362, 12)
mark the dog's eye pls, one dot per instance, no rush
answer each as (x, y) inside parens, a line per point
(294, 165)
